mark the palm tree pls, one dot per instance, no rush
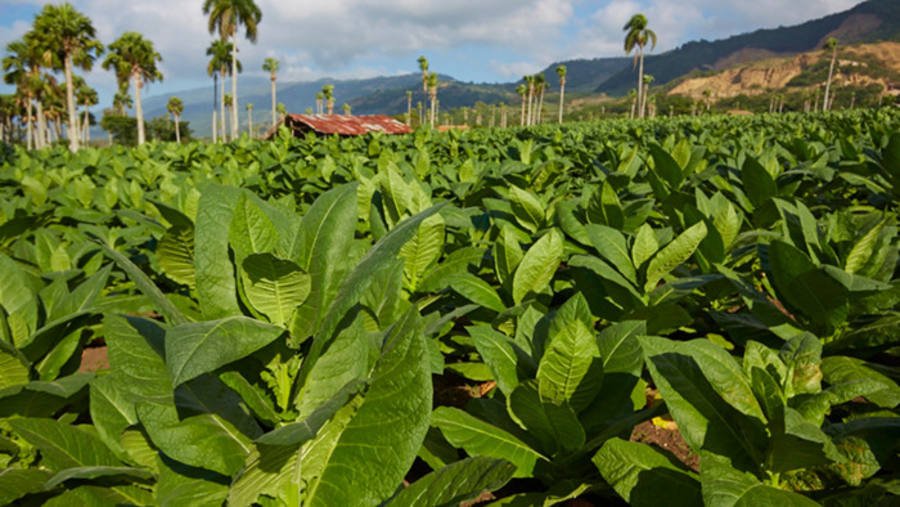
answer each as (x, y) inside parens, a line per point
(68, 38)
(637, 36)
(226, 17)
(522, 90)
(561, 71)
(220, 52)
(432, 91)
(529, 81)
(87, 97)
(831, 44)
(122, 101)
(632, 96)
(707, 95)
(175, 108)
(347, 109)
(320, 101)
(271, 66)
(229, 105)
(21, 67)
(423, 67)
(328, 94)
(540, 86)
(135, 56)
(648, 80)
(409, 96)
(250, 119)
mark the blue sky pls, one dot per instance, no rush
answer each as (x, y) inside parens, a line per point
(472, 40)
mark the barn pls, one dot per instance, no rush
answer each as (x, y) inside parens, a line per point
(341, 125)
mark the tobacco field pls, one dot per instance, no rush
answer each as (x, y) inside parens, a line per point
(680, 312)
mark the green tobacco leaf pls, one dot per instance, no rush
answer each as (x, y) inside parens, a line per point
(555, 426)
(497, 352)
(538, 266)
(686, 373)
(476, 290)
(382, 256)
(172, 314)
(175, 253)
(423, 249)
(269, 470)
(801, 445)
(849, 378)
(605, 208)
(611, 245)
(274, 287)
(203, 441)
(666, 166)
(456, 483)
(863, 249)
(18, 482)
(12, 371)
(800, 284)
(324, 236)
(197, 348)
(215, 274)
(63, 446)
(507, 255)
(527, 208)
(480, 438)
(95, 472)
(251, 230)
(569, 370)
(381, 439)
(674, 254)
(724, 486)
(639, 473)
(758, 183)
(181, 485)
(645, 245)
(254, 396)
(297, 433)
(620, 349)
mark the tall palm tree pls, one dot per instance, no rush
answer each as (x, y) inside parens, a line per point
(68, 38)
(250, 119)
(636, 37)
(409, 96)
(133, 54)
(219, 52)
(21, 67)
(432, 91)
(632, 96)
(226, 17)
(540, 86)
(328, 95)
(229, 105)
(831, 45)
(86, 97)
(320, 101)
(561, 71)
(423, 67)
(347, 109)
(271, 65)
(529, 82)
(522, 90)
(175, 107)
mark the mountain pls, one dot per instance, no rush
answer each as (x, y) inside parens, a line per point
(870, 21)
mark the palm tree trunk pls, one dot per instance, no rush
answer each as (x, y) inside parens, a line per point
(85, 125)
(177, 129)
(562, 96)
(234, 95)
(138, 107)
(274, 120)
(540, 110)
(409, 110)
(640, 86)
(214, 120)
(826, 105)
(40, 135)
(223, 132)
(70, 103)
(250, 123)
(433, 107)
(530, 117)
(522, 114)
(29, 125)
(633, 106)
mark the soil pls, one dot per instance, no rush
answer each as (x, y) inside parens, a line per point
(668, 439)
(94, 359)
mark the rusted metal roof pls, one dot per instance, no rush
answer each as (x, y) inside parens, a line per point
(346, 125)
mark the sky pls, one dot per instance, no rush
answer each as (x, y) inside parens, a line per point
(471, 40)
